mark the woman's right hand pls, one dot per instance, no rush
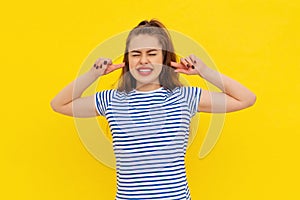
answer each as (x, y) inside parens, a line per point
(104, 66)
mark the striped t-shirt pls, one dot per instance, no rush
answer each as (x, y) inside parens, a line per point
(150, 131)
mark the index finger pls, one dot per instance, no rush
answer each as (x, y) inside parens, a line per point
(177, 65)
(117, 66)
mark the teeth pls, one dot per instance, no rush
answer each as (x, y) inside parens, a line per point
(145, 70)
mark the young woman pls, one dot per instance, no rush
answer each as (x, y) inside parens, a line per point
(150, 112)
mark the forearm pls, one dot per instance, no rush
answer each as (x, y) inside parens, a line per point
(227, 85)
(74, 90)
(234, 96)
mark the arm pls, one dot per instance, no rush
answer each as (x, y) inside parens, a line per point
(234, 96)
(69, 101)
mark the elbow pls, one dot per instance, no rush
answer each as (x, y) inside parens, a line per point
(61, 109)
(54, 106)
(251, 100)
(247, 102)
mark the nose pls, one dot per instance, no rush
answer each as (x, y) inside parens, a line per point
(144, 59)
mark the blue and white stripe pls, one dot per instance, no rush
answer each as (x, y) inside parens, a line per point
(150, 132)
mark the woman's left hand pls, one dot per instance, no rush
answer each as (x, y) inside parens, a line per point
(190, 65)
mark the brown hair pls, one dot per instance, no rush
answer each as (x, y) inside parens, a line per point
(167, 78)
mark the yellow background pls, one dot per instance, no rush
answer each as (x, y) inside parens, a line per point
(43, 45)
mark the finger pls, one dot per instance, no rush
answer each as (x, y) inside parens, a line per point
(117, 66)
(105, 63)
(97, 66)
(108, 61)
(114, 67)
(189, 62)
(193, 59)
(184, 62)
(98, 63)
(184, 71)
(177, 65)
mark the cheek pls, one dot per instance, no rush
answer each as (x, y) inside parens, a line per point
(132, 66)
(160, 69)
(132, 62)
(160, 59)
(159, 62)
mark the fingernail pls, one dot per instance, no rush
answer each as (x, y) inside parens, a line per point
(94, 65)
(193, 67)
(105, 62)
(187, 63)
(97, 67)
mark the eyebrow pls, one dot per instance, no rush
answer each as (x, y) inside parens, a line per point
(138, 51)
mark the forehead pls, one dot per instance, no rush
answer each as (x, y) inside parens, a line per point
(143, 42)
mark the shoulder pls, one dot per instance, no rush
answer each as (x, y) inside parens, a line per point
(111, 92)
(187, 90)
(105, 94)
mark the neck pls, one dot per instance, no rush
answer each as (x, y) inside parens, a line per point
(148, 87)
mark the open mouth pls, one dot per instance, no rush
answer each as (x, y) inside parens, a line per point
(145, 71)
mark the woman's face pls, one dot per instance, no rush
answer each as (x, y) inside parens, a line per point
(145, 61)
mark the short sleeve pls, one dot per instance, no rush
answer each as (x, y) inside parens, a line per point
(192, 98)
(102, 101)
